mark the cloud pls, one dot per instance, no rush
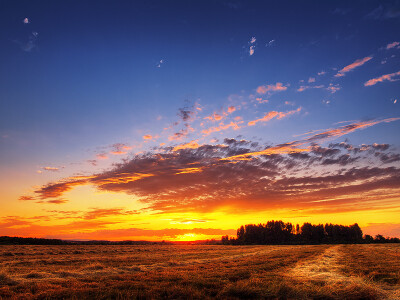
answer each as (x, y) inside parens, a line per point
(318, 137)
(386, 10)
(147, 137)
(321, 73)
(160, 63)
(96, 213)
(392, 45)
(333, 88)
(261, 100)
(219, 116)
(231, 109)
(26, 21)
(31, 43)
(306, 87)
(55, 201)
(251, 50)
(183, 133)
(101, 156)
(278, 87)
(382, 78)
(222, 126)
(53, 169)
(26, 198)
(186, 115)
(119, 149)
(272, 114)
(352, 66)
(240, 175)
(311, 79)
(270, 43)
(190, 145)
(57, 189)
(252, 45)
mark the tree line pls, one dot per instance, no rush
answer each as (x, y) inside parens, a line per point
(279, 232)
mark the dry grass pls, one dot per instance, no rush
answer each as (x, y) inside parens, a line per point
(200, 272)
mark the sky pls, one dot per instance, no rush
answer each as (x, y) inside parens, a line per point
(183, 120)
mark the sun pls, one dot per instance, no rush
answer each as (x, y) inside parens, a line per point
(190, 237)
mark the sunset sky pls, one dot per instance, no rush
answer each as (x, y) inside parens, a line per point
(182, 120)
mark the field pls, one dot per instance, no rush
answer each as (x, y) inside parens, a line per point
(200, 272)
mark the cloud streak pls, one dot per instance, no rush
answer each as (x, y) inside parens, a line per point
(388, 77)
(352, 66)
(273, 114)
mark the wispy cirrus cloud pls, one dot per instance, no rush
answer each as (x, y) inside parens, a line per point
(306, 87)
(222, 126)
(273, 114)
(388, 77)
(352, 66)
(392, 45)
(52, 169)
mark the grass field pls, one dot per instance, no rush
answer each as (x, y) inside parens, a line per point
(199, 272)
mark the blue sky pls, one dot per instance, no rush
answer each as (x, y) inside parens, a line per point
(78, 77)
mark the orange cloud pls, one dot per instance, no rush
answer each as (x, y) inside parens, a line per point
(333, 88)
(119, 149)
(219, 116)
(54, 201)
(101, 156)
(219, 176)
(26, 198)
(147, 137)
(231, 109)
(272, 114)
(382, 78)
(352, 66)
(260, 100)
(190, 145)
(181, 134)
(189, 170)
(222, 126)
(53, 169)
(280, 149)
(292, 146)
(118, 152)
(55, 190)
(266, 118)
(392, 45)
(278, 87)
(121, 178)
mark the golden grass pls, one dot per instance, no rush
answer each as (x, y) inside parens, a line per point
(199, 272)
